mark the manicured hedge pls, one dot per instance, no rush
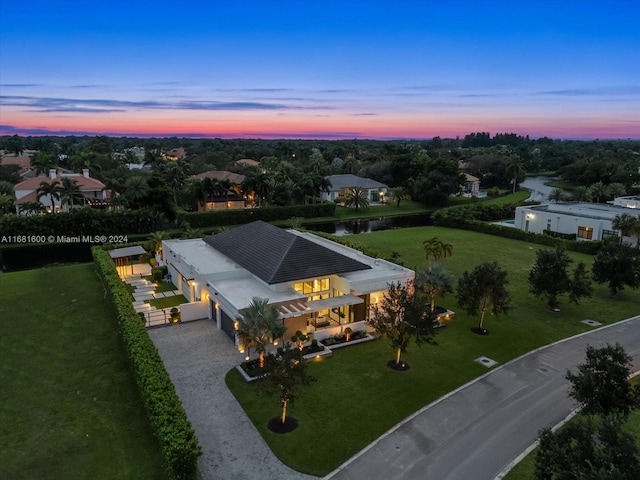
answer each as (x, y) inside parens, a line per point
(475, 217)
(168, 419)
(216, 218)
(82, 221)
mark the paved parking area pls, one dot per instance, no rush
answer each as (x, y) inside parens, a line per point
(197, 357)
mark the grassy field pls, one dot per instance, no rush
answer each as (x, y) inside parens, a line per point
(357, 397)
(70, 408)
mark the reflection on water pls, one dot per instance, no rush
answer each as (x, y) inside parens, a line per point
(371, 224)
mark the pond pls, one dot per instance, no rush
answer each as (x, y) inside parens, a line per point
(368, 225)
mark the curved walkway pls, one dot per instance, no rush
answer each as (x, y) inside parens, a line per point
(477, 430)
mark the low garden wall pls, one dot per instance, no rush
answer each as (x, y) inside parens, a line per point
(331, 331)
(178, 443)
(193, 311)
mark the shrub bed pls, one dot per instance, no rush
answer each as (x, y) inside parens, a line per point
(178, 442)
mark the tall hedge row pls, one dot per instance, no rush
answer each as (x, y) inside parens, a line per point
(216, 218)
(475, 217)
(178, 442)
(82, 221)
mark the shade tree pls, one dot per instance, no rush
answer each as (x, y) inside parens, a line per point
(401, 317)
(617, 265)
(549, 277)
(285, 373)
(601, 385)
(484, 290)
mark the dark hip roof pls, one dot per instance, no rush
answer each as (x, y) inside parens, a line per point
(276, 256)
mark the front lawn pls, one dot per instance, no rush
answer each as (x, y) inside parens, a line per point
(70, 408)
(357, 397)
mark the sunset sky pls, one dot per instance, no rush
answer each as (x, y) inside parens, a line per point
(320, 69)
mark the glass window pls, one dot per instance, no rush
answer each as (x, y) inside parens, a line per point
(585, 232)
(609, 233)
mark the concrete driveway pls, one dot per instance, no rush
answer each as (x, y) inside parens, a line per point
(197, 357)
(477, 430)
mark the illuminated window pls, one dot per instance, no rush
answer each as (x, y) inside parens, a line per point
(312, 286)
(585, 232)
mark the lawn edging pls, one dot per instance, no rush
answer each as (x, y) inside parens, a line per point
(178, 442)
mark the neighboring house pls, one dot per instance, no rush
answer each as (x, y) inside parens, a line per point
(318, 286)
(94, 191)
(247, 163)
(627, 202)
(471, 186)
(222, 202)
(341, 184)
(23, 161)
(587, 221)
(174, 154)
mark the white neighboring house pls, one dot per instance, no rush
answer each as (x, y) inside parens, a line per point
(93, 190)
(627, 202)
(340, 185)
(587, 221)
(318, 286)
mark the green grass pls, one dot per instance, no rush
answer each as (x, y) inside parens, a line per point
(70, 408)
(160, 286)
(357, 397)
(167, 302)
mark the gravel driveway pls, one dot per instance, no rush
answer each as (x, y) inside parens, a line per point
(197, 357)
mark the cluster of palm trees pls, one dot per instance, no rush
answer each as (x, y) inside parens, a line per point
(433, 279)
(596, 192)
(65, 191)
(627, 225)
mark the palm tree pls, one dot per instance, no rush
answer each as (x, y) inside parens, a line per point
(581, 194)
(436, 250)
(52, 190)
(258, 325)
(136, 188)
(557, 195)
(435, 281)
(598, 190)
(42, 162)
(155, 239)
(626, 224)
(514, 165)
(357, 197)
(70, 191)
(6, 204)
(616, 189)
(398, 194)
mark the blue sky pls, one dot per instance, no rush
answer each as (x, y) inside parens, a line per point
(326, 69)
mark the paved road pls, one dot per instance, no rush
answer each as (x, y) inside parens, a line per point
(538, 187)
(477, 430)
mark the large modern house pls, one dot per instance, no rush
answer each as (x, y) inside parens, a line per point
(340, 185)
(587, 221)
(317, 285)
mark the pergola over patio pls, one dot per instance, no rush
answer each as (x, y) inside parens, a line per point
(122, 257)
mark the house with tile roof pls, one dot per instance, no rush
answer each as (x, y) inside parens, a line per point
(232, 199)
(93, 190)
(318, 286)
(341, 184)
